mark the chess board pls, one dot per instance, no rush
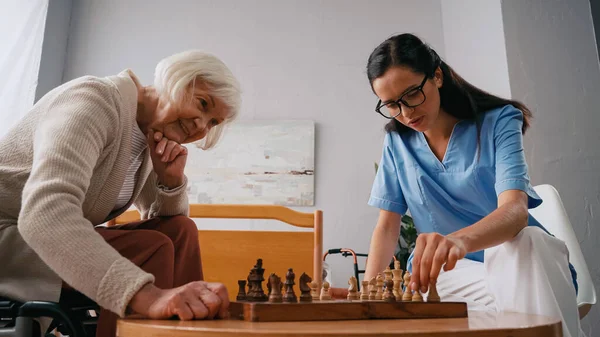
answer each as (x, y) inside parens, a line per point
(344, 310)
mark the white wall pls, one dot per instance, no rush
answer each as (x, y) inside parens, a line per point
(21, 36)
(474, 41)
(553, 66)
(54, 48)
(295, 60)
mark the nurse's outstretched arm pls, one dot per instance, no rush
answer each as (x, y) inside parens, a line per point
(434, 250)
(383, 242)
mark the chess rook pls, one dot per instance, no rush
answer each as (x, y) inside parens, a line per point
(241, 296)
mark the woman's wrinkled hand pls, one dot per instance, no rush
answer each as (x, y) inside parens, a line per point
(168, 159)
(195, 300)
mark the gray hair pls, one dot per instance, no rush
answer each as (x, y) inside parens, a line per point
(175, 73)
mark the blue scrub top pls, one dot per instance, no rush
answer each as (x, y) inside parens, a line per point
(448, 195)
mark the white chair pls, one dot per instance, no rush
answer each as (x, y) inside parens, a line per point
(552, 215)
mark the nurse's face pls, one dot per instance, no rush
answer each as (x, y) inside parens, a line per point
(409, 97)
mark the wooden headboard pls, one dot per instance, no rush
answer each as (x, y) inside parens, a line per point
(228, 255)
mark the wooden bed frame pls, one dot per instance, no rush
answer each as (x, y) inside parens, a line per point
(228, 255)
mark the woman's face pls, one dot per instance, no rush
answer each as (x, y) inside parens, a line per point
(399, 81)
(191, 119)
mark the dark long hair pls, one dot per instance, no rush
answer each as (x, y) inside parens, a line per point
(458, 97)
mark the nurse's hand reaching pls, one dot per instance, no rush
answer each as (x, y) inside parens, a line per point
(432, 251)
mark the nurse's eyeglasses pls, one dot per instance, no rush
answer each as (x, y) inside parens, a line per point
(410, 99)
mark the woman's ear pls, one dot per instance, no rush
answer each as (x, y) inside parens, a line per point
(438, 77)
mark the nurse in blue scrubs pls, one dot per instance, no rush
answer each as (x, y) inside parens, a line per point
(453, 157)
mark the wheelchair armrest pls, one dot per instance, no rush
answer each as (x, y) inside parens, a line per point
(35, 309)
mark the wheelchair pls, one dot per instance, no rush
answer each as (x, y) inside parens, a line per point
(74, 316)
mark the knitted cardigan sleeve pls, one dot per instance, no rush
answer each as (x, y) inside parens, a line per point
(69, 140)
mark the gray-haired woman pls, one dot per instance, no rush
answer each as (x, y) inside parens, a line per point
(85, 153)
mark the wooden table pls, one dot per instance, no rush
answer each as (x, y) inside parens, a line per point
(481, 324)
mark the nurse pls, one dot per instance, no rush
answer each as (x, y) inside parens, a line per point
(453, 156)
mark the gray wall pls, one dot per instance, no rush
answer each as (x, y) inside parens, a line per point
(54, 47)
(553, 67)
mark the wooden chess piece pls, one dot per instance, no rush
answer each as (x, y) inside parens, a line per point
(314, 290)
(388, 296)
(275, 286)
(290, 296)
(372, 289)
(388, 273)
(397, 280)
(353, 289)
(305, 290)
(407, 296)
(433, 295)
(364, 290)
(325, 296)
(379, 294)
(416, 297)
(255, 279)
(241, 296)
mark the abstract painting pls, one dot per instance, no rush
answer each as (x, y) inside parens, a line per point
(256, 162)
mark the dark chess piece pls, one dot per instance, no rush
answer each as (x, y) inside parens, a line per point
(289, 296)
(241, 296)
(255, 279)
(275, 289)
(388, 296)
(305, 295)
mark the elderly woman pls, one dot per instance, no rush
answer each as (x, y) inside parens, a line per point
(84, 154)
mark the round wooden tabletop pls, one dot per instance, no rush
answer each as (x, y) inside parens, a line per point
(481, 324)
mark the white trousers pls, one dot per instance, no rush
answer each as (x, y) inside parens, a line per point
(529, 274)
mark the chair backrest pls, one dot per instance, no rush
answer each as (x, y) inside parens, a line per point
(553, 216)
(229, 255)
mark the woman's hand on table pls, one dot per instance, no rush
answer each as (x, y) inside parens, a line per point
(195, 300)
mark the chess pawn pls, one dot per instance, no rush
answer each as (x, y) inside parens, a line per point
(275, 289)
(372, 289)
(364, 290)
(388, 273)
(314, 290)
(416, 297)
(379, 294)
(325, 296)
(388, 295)
(289, 295)
(241, 296)
(433, 295)
(407, 296)
(353, 289)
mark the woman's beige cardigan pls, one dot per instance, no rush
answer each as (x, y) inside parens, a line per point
(61, 170)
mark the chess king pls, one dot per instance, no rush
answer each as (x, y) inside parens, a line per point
(453, 155)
